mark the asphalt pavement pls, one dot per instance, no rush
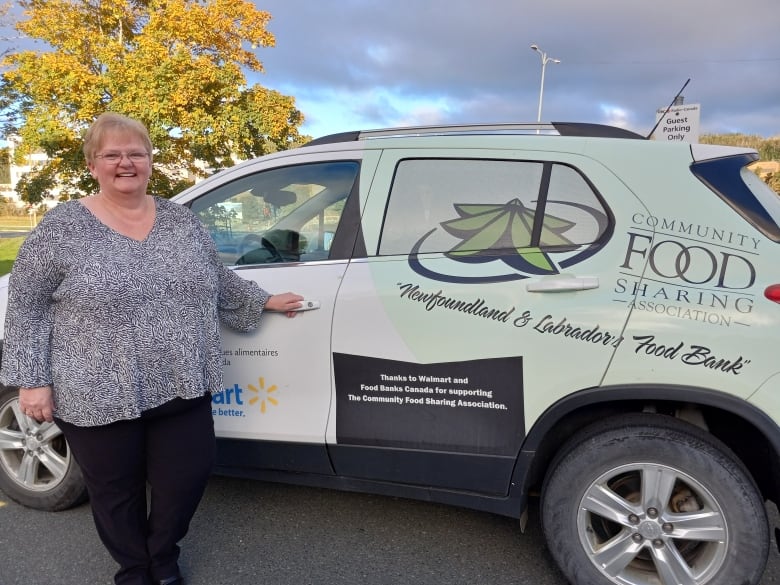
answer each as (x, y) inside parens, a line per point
(253, 533)
(248, 533)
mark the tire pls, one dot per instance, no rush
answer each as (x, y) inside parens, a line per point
(37, 468)
(647, 499)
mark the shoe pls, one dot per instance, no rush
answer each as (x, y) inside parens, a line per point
(175, 580)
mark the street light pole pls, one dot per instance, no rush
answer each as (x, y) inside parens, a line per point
(545, 60)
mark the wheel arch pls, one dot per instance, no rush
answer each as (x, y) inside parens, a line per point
(749, 432)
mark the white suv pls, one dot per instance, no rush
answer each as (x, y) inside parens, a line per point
(496, 312)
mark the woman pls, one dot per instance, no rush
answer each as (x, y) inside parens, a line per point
(112, 332)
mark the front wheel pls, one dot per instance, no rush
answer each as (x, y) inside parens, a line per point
(37, 468)
(650, 500)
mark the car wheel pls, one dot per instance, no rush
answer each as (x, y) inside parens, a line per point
(651, 500)
(37, 468)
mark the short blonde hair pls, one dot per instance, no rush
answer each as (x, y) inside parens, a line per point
(113, 122)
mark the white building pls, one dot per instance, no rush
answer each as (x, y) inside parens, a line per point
(31, 162)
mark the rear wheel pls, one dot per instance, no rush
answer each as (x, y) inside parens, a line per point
(650, 500)
(37, 468)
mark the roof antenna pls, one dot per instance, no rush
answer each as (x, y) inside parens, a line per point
(669, 107)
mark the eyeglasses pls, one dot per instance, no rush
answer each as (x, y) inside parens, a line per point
(114, 158)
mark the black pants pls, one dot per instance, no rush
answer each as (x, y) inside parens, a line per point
(171, 448)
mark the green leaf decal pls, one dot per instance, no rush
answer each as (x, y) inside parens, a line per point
(484, 239)
(508, 226)
(538, 258)
(464, 226)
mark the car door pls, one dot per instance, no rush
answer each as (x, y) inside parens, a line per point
(285, 224)
(485, 296)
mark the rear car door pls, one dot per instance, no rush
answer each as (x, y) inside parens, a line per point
(486, 294)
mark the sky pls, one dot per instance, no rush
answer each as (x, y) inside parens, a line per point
(362, 64)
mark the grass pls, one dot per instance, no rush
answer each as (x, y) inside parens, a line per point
(9, 248)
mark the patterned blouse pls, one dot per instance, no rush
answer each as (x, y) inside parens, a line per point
(119, 326)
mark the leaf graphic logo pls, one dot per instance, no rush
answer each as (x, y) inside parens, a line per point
(512, 235)
(263, 395)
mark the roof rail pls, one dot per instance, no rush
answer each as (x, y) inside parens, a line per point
(595, 130)
(333, 138)
(555, 128)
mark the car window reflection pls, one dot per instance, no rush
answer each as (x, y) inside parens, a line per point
(289, 214)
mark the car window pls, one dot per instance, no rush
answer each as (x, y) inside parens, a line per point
(287, 214)
(464, 207)
(732, 180)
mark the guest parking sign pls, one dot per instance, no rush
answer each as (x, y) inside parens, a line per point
(679, 124)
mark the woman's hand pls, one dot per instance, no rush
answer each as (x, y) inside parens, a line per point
(284, 303)
(37, 403)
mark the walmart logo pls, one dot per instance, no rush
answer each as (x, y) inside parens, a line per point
(263, 395)
(237, 400)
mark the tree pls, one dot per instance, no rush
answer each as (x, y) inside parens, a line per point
(176, 65)
(5, 166)
(768, 148)
(773, 180)
(11, 102)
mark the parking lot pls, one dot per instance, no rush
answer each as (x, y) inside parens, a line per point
(247, 532)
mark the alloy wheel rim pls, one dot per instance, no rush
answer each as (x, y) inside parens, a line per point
(33, 455)
(651, 524)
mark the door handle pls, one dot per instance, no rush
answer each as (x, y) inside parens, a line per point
(306, 305)
(563, 283)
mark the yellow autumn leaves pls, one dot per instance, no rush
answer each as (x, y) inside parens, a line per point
(178, 65)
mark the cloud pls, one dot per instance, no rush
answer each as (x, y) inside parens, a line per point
(370, 63)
